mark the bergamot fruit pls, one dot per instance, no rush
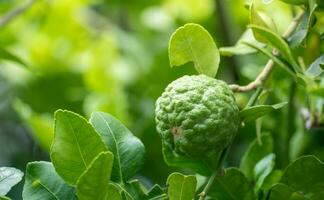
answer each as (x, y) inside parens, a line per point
(197, 116)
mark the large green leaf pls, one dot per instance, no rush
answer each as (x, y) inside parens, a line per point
(75, 145)
(254, 112)
(42, 182)
(277, 42)
(283, 192)
(94, 182)
(128, 150)
(193, 43)
(181, 187)
(305, 175)
(233, 185)
(255, 153)
(9, 177)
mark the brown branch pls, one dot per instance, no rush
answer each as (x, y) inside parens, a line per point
(262, 77)
(15, 12)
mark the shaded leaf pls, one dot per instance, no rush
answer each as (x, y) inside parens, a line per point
(254, 112)
(128, 150)
(193, 43)
(233, 185)
(42, 182)
(9, 177)
(94, 182)
(315, 69)
(262, 169)
(176, 160)
(305, 175)
(75, 145)
(277, 42)
(255, 153)
(272, 179)
(181, 187)
(4, 198)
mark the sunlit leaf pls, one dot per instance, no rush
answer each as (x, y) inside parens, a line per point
(94, 182)
(9, 177)
(181, 187)
(193, 43)
(128, 150)
(75, 145)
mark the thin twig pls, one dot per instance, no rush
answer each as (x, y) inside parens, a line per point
(262, 77)
(15, 12)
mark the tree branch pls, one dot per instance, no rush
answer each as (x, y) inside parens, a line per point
(15, 12)
(262, 77)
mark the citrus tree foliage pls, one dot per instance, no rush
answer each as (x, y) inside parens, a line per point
(249, 126)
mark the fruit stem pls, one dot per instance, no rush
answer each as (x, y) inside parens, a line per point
(218, 172)
(262, 77)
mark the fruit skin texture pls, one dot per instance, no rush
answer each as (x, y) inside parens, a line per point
(197, 116)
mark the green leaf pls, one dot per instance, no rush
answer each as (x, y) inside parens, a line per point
(277, 42)
(273, 178)
(139, 192)
(156, 193)
(280, 191)
(42, 182)
(303, 28)
(233, 185)
(296, 2)
(255, 153)
(262, 169)
(128, 150)
(114, 193)
(254, 112)
(193, 43)
(305, 175)
(94, 182)
(272, 57)
(6, 55)
(75, 145)
(315, 68)
(9, 177)
(176, 160)
(181, 187)
(4, 198)
(240, 48)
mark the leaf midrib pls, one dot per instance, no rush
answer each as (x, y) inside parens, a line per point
(116, 146)
(45, 187)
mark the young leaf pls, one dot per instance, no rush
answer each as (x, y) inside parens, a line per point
(272, 179)
(75, 145)
(255, 153)
(4, 198)
(305, 170)
(304, 26)
(277, 42)
(42, 182)
(254, 112)
(6, 55)
(181, 187)
(9, 177)
(262, 169)
(315, 68)
(193, 43)
(176, 160)
(94, 182)
(128, 150)
(233, 185)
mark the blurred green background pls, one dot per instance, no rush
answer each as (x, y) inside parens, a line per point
(110, 55)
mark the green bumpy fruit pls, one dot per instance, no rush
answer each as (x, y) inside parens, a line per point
(197, 116)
